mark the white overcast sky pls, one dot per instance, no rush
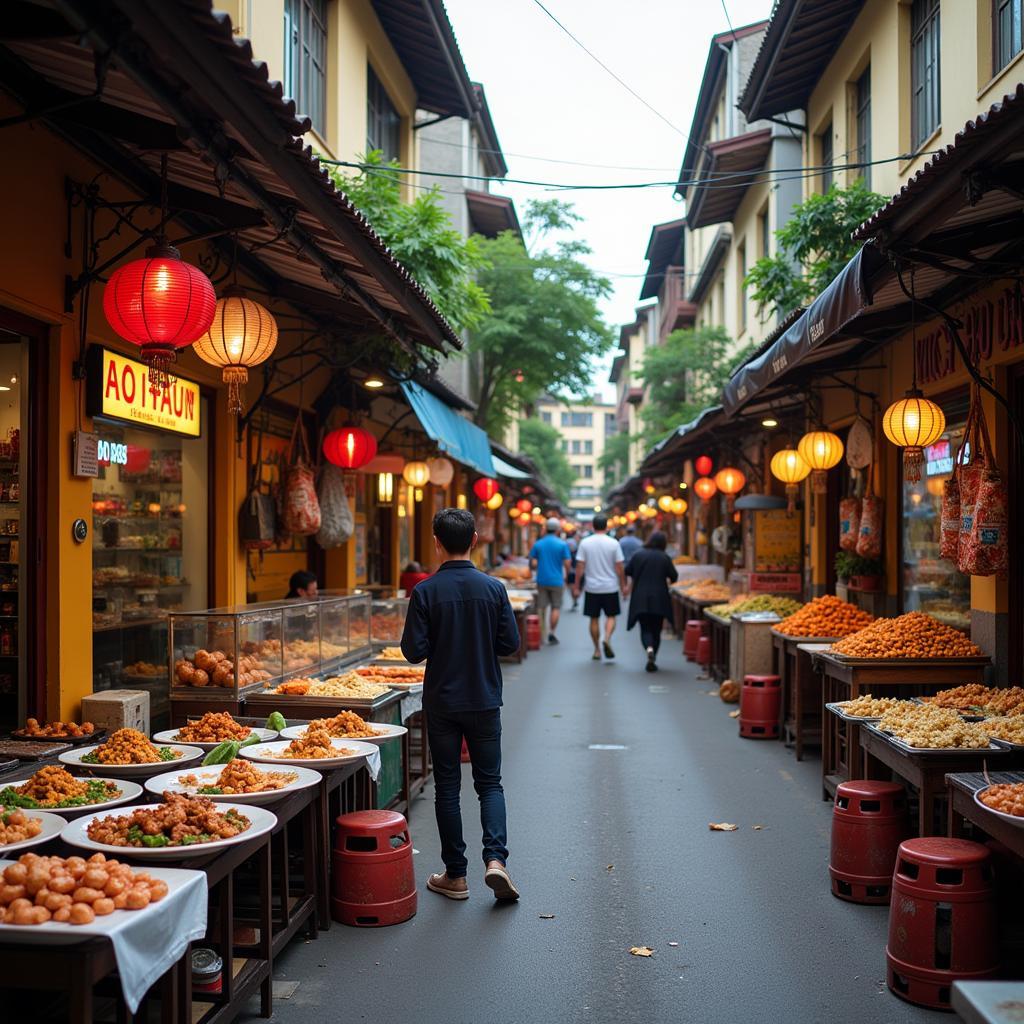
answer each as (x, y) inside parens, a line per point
(550, 100)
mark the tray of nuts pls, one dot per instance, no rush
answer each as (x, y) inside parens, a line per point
(864, 708)
(1006, 731)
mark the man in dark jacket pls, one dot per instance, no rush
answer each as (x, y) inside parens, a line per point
(460, 621)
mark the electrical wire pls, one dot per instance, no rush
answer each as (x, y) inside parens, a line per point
(728, 21)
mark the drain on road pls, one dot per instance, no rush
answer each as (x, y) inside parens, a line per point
(607, 746)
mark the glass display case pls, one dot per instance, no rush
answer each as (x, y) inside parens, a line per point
(334, 642)
(359, 636)
(387, 620)
(301, 637)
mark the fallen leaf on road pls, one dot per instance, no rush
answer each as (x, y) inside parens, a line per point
(722, 826)
(547, 917)
(673, 943)
(734, 714)
(757, 828)
(641, 951)
(610, 866)
(556, 716)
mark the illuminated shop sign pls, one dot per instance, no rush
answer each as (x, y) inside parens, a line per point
(938, 458)
(118, 388)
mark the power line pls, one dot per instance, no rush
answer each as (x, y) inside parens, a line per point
(728, 21)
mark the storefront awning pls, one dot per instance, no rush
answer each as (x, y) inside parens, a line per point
(507, 470)
(462, 440)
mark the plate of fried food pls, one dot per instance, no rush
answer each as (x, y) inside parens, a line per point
(182, 826)
(69, 732)
(20, 829)
(53, 788)
(211, 730)
(1005, 799)
(317, 748)
(351, 685)
(347, 725)
(130, 752)
(397, 678)
(239, 781)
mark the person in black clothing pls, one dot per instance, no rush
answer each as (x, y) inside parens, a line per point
(302, 584)
(460, 621)
(652, 571)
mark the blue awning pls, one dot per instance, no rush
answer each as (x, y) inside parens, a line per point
(507, 470)
(462, 440)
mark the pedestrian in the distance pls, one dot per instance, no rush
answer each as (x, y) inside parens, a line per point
(651, 571)
(550, 558)
(571, 578)
(630, 543)
(599, 561)
(460, 621)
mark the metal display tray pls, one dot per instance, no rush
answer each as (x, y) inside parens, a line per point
(1007, 744)
(974, 659)
(806, 639)
(836, 709)
(906, 748)
(23, 750)
(74, 741)
(286, 701)
(965, 717)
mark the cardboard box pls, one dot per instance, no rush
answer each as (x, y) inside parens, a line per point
(117, 709)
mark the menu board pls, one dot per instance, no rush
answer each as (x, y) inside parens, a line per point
(776, 541)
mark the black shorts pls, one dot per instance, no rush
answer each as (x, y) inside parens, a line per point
(594, 604)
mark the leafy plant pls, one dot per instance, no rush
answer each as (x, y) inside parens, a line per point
(544, 330)
(848, 564)
(421, 235)
(543, 444)
(813, 246)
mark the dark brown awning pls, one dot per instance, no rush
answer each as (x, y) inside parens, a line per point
(725, 175)
(491, 214)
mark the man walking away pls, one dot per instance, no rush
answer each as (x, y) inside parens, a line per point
(630, 543)
(600, 561)
(460, 621)
(550, 558)
(573, 544)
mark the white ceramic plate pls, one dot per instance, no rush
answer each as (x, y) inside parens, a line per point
(76, 833)
(170, 736)
(264, 753)
(73, 758)
(387, 732)
(129, 791)
(53, 825)
(305, 777)
(1011, 819)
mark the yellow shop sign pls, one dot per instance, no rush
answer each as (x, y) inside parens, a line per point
(118, 389)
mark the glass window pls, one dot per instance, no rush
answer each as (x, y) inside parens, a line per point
(577, 419)
(611, 424)
(588, 447)
(545, 417)
(741, 288)
(383, 122)
(926, 108)
(930, 583)
(825, 140)
(864, 125)
(305, 57)
(766, 238)
(588, 471)
(1007, 18)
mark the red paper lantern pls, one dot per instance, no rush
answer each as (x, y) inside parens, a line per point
(703, 465)
(350, 447)
(705, 487)
(161, 304)
(485, 488)
(524, 505)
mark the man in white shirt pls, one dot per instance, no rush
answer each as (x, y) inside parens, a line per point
(600, 562)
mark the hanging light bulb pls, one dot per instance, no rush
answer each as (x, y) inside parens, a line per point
(788, 465)
(385, 488)
(821, 450)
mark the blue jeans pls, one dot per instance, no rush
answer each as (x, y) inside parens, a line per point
(482, 730)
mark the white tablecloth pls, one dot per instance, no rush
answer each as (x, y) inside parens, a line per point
(373, 763)
(412, 704)
(146, 942)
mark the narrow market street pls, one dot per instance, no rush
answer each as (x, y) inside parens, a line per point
(615, 844)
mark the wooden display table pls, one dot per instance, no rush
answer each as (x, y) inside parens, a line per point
(846, 678)
(719, 628)
(801, 708)
(962, 807)
(926, 772)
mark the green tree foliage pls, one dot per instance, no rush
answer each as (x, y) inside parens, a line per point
(614, 460)
(544, 330)
(685, 376)
(543, 443)
(421, 236)
(813, 247)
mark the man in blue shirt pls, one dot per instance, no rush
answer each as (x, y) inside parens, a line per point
(460, 621)
(550, 559)
(630, 544)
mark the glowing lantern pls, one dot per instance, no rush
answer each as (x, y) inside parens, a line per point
(631, 516)
(524, 504)
(788, 465)
(665, 503)
(821, 450)
(485, 488)
(161, 304)
(349, 447)
(243, 334)
(703, 465)
(648, 486)
(679, 506)
(496, 501)
(705, 488)
(935, 485)
(913, 423)
(416, 474)
(525, 519)
(441, 471)
(514, 512)
(385, 488)
(730, 481)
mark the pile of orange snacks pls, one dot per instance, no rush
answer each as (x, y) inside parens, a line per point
(387, 625)
(240, 776)
(392, 674)
(825, 616)
(73, 890)
(313, 745)
(979, 699)
(391, 654)
(346, 725)
(16, 826)
(215, 668)
(914, 635)
(1007, 797)
(55, 730)
(128, 746)
(213, 727)
(297, 687)
(1003, 728)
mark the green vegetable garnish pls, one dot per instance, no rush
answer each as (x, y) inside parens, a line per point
(154, 841)
(90, 758)
(210, 790)
(166, 754)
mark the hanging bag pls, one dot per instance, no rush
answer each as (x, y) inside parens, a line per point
(986, 550)
(971, 474)
(872, 521)
(257, 518)
(849, 523)
(336, 524)
(300, 507)
(950, 514)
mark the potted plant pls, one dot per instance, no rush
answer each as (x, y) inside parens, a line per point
(843, 563)
(859, 573)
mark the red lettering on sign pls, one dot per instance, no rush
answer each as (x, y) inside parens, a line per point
(179, 402)
(190, 405)
(128, 383)
(112, 388)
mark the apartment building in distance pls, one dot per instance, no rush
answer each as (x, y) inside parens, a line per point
(585, 427)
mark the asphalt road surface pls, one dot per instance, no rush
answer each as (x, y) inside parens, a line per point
(612, 776)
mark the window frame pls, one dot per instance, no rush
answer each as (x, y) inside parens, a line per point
(826, 146)
(305, 47)
(862, 121)
(382, 115)
(925, 71)
(998, 60)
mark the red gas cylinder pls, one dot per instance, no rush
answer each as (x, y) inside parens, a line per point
(759, 707)
(373, 879)
(869, 820)
(695, 629)
(942, 919)
(533, 632)
(704, 651)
